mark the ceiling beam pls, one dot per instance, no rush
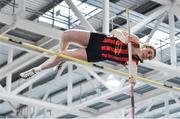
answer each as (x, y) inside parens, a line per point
(31, 26)
(80, 16)
(43, 10)
(32, 102)
(163, 2)
(125, 104)
(151, 17)
(159, 66)
(177, 12)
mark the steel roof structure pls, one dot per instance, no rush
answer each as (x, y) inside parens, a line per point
(77, 91)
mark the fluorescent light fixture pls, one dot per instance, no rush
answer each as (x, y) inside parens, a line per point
(112, 82)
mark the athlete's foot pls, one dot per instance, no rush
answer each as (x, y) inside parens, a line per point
(29, 73)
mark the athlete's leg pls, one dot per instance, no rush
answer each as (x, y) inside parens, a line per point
(79, 37)
(79, 53)
(71, 36)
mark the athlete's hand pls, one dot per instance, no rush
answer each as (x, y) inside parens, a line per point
(132, 80)
(132, 39)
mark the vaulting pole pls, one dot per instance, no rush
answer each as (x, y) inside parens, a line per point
(96, 66)
(130, 64)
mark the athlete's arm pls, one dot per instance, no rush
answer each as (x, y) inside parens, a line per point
(133, 77)
(123, 36)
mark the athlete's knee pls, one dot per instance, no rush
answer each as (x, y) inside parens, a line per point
(64, 36)
(67, 35)
(63, 52)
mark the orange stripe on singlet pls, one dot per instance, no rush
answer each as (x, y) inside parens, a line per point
(113, 41)
(109, 48)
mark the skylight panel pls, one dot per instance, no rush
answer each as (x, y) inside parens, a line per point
(65, 18)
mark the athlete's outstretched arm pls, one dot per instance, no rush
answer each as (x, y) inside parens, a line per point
(133, 76)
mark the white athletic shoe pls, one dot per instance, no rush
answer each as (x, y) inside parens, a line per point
(29, 73)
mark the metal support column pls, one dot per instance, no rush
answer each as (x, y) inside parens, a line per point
(172, 37)
(106, 16)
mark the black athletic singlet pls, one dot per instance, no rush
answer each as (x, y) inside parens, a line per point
(105, 47)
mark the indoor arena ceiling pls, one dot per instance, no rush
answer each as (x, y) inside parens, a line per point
(41, 23)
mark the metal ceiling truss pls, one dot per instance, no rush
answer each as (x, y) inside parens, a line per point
(69, 87)
(78, 108)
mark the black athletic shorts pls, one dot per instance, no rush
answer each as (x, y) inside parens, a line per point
(93, 50)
